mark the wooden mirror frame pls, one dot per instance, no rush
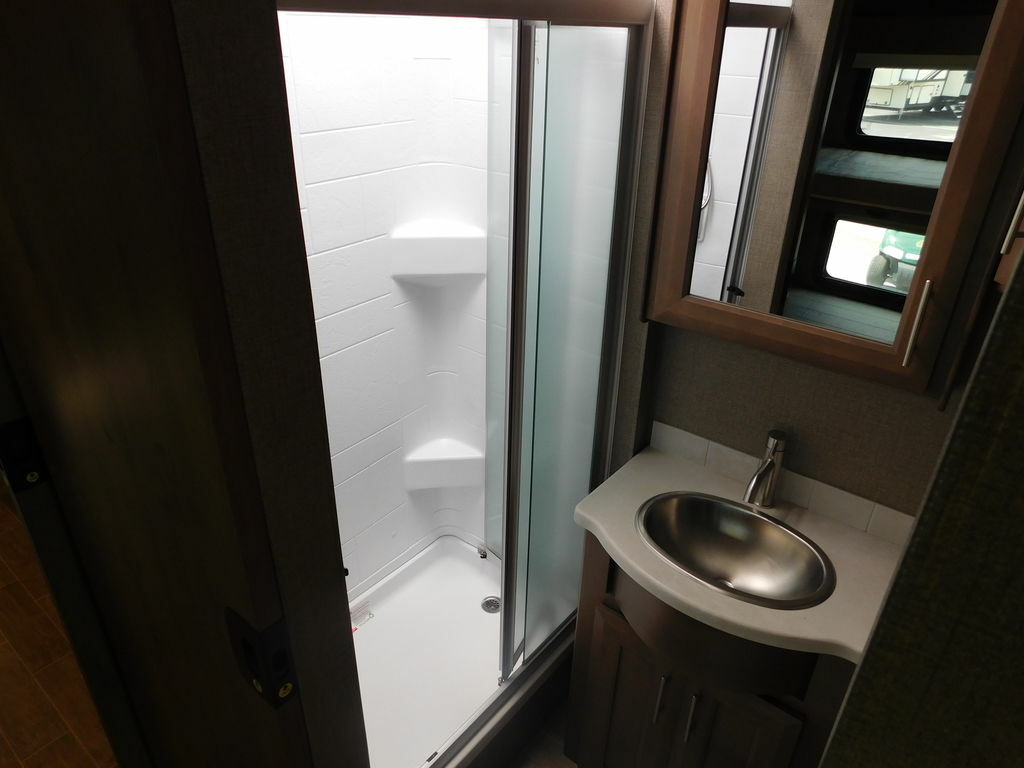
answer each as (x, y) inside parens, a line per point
(974, 163)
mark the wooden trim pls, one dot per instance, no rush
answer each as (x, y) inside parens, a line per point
(1013, 246)
(961, 202)
(1008, 263)
(974, 164)
(758, 16)
(596, 568)
(564, 12)
(699, 34)
(784, 336)
(1016, 224)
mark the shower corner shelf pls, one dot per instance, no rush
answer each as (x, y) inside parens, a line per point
(443, 463)
(437, 251)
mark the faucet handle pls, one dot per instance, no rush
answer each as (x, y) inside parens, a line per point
(776, 441)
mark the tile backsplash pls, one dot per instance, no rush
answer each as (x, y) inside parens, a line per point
(860, 513)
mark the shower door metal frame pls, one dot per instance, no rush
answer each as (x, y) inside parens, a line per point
(523, 66)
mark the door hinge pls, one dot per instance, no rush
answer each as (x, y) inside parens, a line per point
(264, 658)
(20, 457)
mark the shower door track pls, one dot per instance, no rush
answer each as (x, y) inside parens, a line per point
(490, 715)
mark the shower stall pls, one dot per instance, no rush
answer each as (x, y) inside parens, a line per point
(464, 186)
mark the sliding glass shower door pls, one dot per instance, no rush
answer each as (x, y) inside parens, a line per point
(571, 101)
(461, 195)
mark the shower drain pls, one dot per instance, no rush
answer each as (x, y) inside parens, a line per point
(491, 604)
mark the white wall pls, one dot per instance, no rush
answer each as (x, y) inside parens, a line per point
(742, 56)
(389, 129)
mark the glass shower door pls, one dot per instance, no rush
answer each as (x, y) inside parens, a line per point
(576, 99)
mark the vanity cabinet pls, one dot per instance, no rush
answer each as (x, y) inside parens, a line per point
(740, 731)
(654, 688)
(636, 702)
(643, 712)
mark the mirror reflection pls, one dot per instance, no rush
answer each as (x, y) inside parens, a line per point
(860, 255)
(863, 254)
(847, 255)
(922, 104)
(749, 61)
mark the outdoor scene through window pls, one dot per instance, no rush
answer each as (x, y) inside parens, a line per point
(874, 256)
(923, 104)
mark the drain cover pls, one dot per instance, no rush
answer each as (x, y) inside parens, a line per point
(491, 604)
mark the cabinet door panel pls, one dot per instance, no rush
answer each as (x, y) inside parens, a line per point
(740, 731)
(634, 700)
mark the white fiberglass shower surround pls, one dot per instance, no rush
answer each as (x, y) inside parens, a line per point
(463, 187)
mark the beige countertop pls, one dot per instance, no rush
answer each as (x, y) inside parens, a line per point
(840, 626)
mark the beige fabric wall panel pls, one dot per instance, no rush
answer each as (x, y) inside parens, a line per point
(869, 439)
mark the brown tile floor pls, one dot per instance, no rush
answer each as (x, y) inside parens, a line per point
(545, 751)
(47, 717)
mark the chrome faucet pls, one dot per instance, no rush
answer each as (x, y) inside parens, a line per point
(761, 488)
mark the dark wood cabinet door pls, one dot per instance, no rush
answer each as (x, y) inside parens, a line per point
(642, 713)
(730, 730)
(654, 687)
(635, 700)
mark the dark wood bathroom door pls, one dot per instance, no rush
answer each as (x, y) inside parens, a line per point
(156, 314)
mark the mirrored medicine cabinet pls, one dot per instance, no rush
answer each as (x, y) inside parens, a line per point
(830, 174)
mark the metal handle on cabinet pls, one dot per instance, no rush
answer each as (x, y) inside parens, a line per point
(1011, 233)
(657, 701)
(918, 316)
(689, 718)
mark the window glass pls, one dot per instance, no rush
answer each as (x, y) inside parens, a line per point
(925, 104)
(874, 256)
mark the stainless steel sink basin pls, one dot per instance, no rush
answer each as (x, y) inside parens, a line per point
(731, 547)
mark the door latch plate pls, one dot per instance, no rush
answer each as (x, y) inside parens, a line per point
(264, 658)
